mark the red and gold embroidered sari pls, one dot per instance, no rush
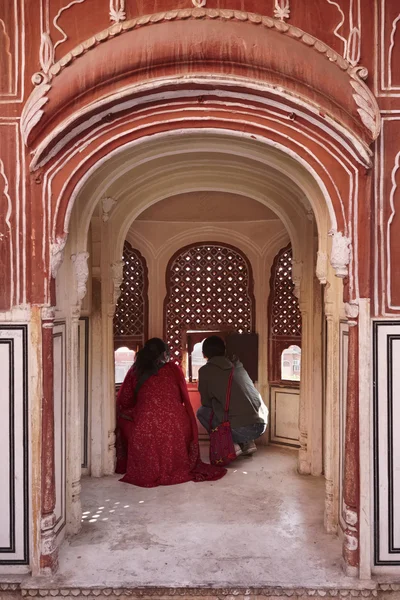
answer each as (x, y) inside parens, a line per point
(157, 435)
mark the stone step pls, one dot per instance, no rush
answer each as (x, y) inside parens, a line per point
(47, 591)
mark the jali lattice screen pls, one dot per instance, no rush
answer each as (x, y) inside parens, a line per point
(284, 311)
(209, 287)
(130, 319)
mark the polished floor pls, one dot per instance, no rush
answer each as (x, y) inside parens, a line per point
(260, 525)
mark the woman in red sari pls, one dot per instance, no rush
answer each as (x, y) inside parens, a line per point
(157, 436)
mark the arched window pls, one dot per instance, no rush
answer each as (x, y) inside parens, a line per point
(209, 288)
(131, 314)
(284, 322)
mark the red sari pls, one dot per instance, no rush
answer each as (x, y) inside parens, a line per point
(157, 441)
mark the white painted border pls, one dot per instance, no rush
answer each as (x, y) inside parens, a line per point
(19, 69)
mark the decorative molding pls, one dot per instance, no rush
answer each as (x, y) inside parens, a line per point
(354, 47)
(238, 593)
(339, 26)
(391, 48)
(57, 255)
(388, 230)
(7, 221)
(340, 254)
(55, 22)
(203, 13)
(368, 109)
(321, 269)
(9, 59)
(81, 269)
(13, 48)
(46, 53)
(282, 9)
(107, 204)
(199, 3)
(117, 11)
(33, 109)
(367, 106)
(351, 44)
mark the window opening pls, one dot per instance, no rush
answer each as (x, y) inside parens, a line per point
(124, 359)
(290, 363)
(209, 287)
(131, 314)
(197, 360)
(284, 322)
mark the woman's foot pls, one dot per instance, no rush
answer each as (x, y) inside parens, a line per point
(238, 450)
(248, 448)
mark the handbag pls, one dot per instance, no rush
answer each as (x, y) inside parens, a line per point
(222, 449)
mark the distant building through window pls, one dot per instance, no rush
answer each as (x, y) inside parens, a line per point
(124, 359)
(197, 359)
(290, 363)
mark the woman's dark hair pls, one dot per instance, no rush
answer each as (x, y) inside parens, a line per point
(213, 346)
(151, 356)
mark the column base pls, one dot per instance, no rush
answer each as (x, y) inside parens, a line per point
(349, 570)
(49, 549)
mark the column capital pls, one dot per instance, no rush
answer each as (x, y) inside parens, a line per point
(81, 270)
(57, 254)
(117, 270)
(351, 311)
(340, 253)
(48, 313)
(321, 269)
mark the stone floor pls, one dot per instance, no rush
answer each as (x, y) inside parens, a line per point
(261, 525)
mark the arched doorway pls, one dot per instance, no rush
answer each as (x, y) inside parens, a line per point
(319, 157)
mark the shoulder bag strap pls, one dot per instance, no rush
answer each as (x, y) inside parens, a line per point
(228, 395)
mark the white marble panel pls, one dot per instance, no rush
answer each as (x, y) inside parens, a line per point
(285, 416)
(59, 334)
(343, 349)
(14, 465)
(83, 328)
(386, 417)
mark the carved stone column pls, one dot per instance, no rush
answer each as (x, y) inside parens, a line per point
(97, 343)
(331, 410)
(304, 467)
(49, 549)
(351, 477)
(74, 458)
(108, 311)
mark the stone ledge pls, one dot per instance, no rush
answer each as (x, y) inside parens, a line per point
(37, 588)
(383, 591)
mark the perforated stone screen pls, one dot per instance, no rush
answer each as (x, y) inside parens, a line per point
(210, 287)
(284, 313)
(130, 319)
